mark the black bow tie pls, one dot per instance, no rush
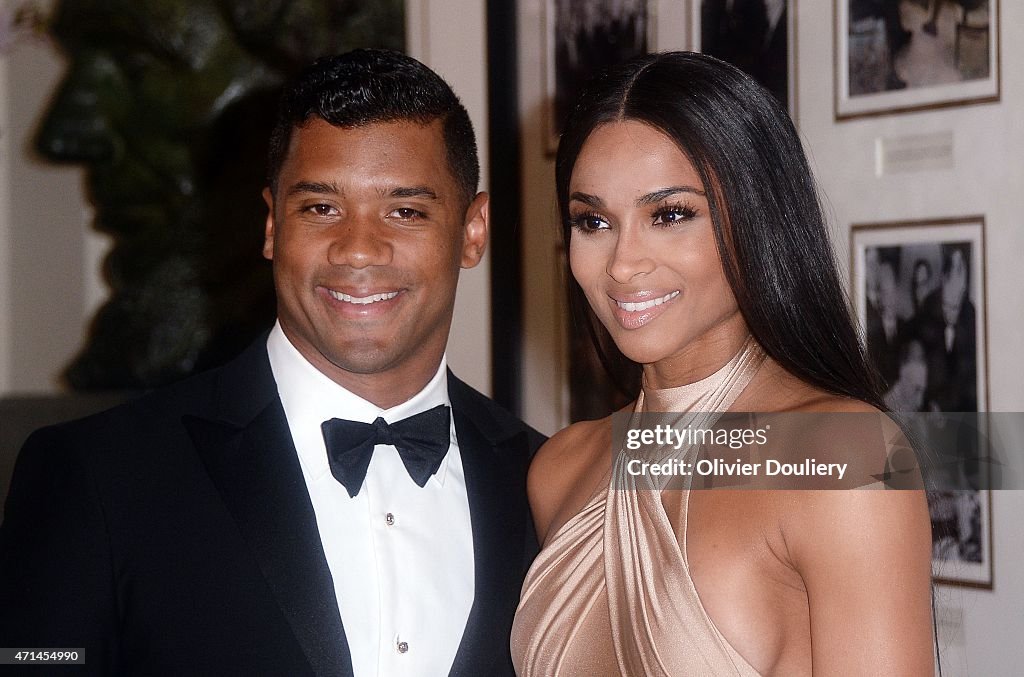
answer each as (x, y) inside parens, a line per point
(422, 441)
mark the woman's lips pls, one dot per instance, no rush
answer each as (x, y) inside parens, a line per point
(636, 310)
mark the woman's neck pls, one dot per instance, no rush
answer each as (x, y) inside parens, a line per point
(697, 360)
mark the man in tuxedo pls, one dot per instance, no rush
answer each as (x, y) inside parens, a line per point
(334, 501)
(885, 331)
(948, 324)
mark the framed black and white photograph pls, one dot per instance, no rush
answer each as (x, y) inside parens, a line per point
(756, 36)
(582, 39)
(897, 56)
(919, 293)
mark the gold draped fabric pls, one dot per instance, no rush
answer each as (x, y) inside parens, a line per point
(610, 593)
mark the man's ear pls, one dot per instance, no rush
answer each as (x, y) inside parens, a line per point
(268, 234)
(475, 231)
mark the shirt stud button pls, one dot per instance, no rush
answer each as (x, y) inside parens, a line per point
(389, 519)
(403, 647)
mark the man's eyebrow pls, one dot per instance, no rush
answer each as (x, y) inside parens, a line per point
(413, 191)
(314, 187)
(657, 196)
(587, 199)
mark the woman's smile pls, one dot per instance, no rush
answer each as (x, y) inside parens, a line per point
(636, 310)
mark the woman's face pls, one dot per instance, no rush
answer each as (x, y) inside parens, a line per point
(643, 250)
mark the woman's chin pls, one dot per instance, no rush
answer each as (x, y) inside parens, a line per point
(643, 354)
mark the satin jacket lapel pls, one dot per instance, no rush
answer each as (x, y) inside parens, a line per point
(494, 459)
(247, 448)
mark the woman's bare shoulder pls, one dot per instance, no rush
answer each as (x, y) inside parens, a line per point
(776, 390)
(817, 400)
(569, 443)
(566, 470)
(839, 429)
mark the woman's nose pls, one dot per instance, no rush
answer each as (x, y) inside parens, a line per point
(631, 256)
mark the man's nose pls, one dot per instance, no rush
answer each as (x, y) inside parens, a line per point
(77, 125)
(361, 241)
(631, 256)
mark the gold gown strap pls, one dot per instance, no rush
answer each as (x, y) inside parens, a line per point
(659, 626)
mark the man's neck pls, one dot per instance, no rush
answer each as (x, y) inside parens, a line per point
(386, 390)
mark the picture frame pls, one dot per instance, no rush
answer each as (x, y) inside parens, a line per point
(762, 45)
(914, 55)
(920, 298)
(581, 38)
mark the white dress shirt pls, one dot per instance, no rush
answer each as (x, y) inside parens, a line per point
(401, 556)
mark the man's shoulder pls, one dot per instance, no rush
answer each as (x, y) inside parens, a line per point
(496, 422)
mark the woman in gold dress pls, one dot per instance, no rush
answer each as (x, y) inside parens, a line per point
(695, 235)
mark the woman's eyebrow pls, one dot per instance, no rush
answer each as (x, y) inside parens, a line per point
(588, 199)
(659, 195)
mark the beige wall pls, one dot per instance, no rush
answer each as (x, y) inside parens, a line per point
(49, 256)
(5, 233)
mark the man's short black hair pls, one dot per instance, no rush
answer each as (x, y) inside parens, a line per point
(367, 86)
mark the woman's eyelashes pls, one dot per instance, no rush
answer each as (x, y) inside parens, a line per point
(673, 214)
(588, 222)
(662, 216)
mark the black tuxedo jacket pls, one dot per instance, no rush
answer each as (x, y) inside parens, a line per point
(174, 535)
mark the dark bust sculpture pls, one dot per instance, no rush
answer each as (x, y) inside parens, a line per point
(169, 104)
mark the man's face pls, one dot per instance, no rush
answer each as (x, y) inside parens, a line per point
(887, 292)
(954, 281)
(367, 231)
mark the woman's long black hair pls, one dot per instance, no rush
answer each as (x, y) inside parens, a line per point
(768, 222)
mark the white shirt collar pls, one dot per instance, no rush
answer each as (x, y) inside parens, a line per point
(309, 398)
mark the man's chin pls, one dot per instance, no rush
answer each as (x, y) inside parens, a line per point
(365, 358)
